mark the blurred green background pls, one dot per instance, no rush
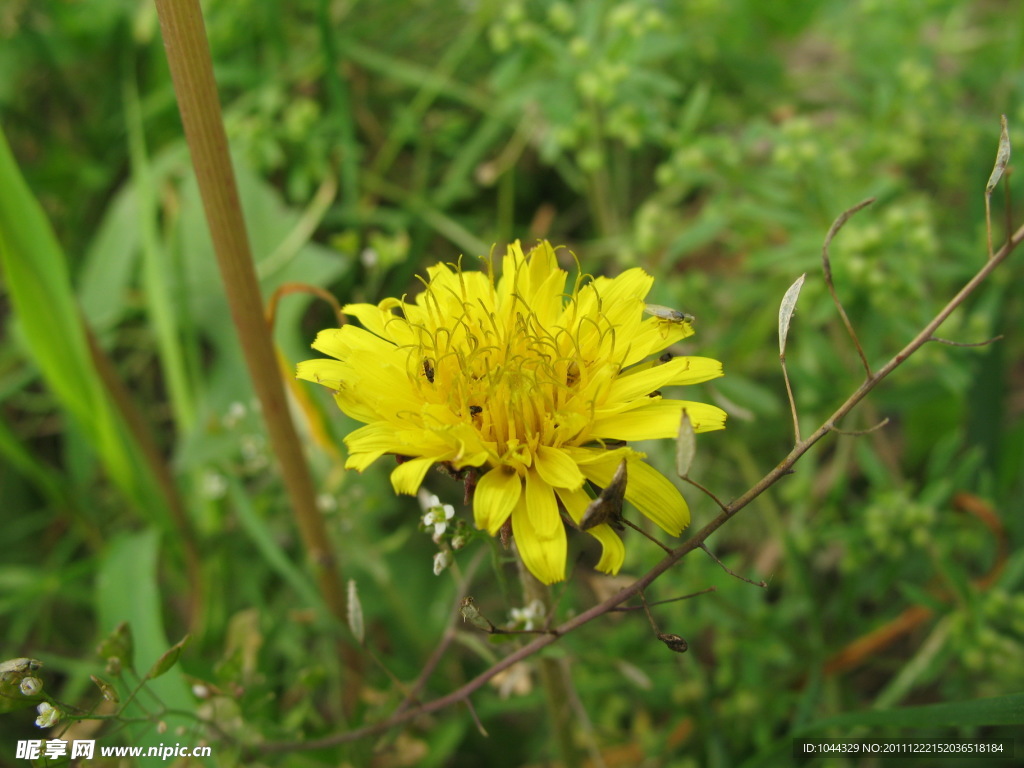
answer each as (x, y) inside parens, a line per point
(711, 142)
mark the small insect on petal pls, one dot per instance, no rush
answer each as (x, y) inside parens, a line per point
(428, 369)
(667, 313)
(607, 507)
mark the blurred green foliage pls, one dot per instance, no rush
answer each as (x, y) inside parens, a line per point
(711, 142)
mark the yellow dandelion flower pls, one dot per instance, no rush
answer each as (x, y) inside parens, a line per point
(525, 382)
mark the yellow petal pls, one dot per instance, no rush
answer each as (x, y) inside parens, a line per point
(679, 370)
(369, 316)
(330, 373)
(496, 495)
(647, 489)
(655, 335)
(657, 419)
(541, 505)
(613, 550)
(407, 476)
(543, 554)
(656, 497)
(574, 501)
(556, 468)
(330, 342)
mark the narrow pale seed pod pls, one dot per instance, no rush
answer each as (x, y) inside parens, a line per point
(169, 658)
(786, 311)
(686, 445)
(106, 689)
(1002, 158)
(674, 642)
(354, 610)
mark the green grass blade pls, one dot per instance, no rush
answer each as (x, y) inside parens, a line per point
(156, 274)
(51, 328)
(275, 557)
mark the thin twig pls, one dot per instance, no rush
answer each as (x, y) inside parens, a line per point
(645, 534)
(792, 400)
(1008, 198)
(827, 269)
(705, 491)
(860, 432)
(731, 572)
(967, 343)
(628, 608)
(647, 612)
(611, 603)
(449, 634)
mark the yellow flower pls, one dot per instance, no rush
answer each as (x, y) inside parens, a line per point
(526, 382)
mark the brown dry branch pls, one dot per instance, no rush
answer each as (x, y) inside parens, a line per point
(783, 468)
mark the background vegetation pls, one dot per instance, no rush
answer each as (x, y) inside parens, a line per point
(711, 142)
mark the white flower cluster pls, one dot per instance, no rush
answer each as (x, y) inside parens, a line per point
(436, 517)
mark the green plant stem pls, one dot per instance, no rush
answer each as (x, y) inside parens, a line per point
(188, 56)
(554, 676)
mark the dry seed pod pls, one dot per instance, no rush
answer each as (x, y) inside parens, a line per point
(607, 507)
(674, 642)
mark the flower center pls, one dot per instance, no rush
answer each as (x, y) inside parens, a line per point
(520, 382)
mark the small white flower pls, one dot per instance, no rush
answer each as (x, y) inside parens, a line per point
(236, 412)
(533, 612)
(30, 686)
(253, 448)
(441, 561)
(436, 514)
(49, 716)
(214, 485)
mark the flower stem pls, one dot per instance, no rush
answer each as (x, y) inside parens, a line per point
(555, 677)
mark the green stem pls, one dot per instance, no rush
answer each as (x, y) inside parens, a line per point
(555, 677)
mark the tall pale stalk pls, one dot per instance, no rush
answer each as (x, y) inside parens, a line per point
(191, 67)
